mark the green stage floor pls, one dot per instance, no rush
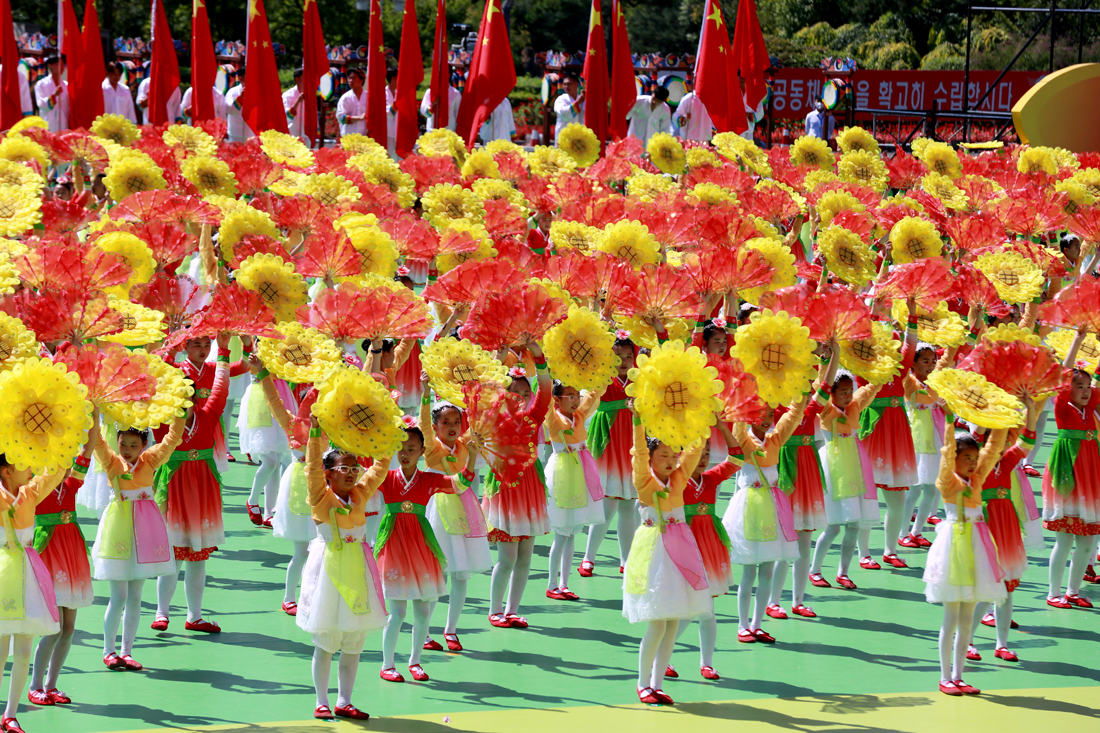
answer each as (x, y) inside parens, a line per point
(868, 663)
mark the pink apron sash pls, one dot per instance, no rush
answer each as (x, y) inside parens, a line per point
(868, 472)
(939, 421)
(591, 475)
(990, 549)
(150, 533)
(1027, 495)
(680, 545)
(45, 581)
(475, 518)
(372, 567)
(784, 514)
(286, 396)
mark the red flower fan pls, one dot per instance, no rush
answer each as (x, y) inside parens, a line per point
(891, 214)
(253, 244)
(857, 222)
(974, 288)
(58, 265)
(350, 313)
(415, 238)
(1051, 261)
(1018, 367)
(834, 312)
(169, 242)
(330, 160)
(254, 171)
(724, 270)
(328, 254)
(570, 188)
(608, 170)
(513, 316)
(974, 231)
(301, 213)
(234, 310)
(659, 292)
(67, 217)
(110, 372)
(629, 148)
(166, 206)
(511, 165)
(933, 207)
(1085, 224)
(502, 219)
(739, 395)
(928, 280)
(536, 190)
(771, 203)
(863, 194)
(502, 430)
(513, 252)
(177, 297)
(466, 282)
(727, 176)
(1076, 306)
(215, 127)
(58, 150)
(808, 271)
(426, 171)
(980, 191)
(905, 171)
(598, 211)
(67, 315)
(375, 196)
(1027, 216)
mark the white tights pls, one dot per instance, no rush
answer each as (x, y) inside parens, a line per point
(895, 518)
(422, 614)
(456, 599)
(194, 583)
(267, 480)
(801, 573)
(52, 650)
(1082, 556)
(294, 571)
(744, 594)
(1002, 613)
(708, 638)
(626, 510)
(921, 499)
(125, 596)
(655, 652)
(20, 666)
(561, 561)
(345, 676)
(958, 618)
(511, 572)
(847, 546)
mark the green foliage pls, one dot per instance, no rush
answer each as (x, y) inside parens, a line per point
(944, 57)
(896, 56)
(819, 34)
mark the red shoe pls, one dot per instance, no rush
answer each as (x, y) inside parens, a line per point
(568, 595)
(114, 661)
(391, 675)
(431, 645)
(554, 594)
(350, 711)
(453, 645)
(620, 570)
(845, 582)
(60, 698)
(967, 689)
(709, 673)
(39, 697)
(1079, 601)
(776, 611)
(745, 636)
(868, 564)
(1031, 470)
(586, 568)
(418, 673)
(161, 624)
(989, 620)
(934, 520)
(819, 581)
(1090, 575)
(645, 694)
(497, 619)
(515, 620)
(1005, 654)
(254, 514)
(208, 627)
(266, 524)
(909, 541)
(1059, 603)
(10, 725)
(663, 698)
(231, 458)
(922, 541)
(321, 712)
(670, 671)
(949, 688)
(803, 611)
(132, 664)
(894, 560)
(972, 654)
(1013, 625)
(290, 608)
(763, 636)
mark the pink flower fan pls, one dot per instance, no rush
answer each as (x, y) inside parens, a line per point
(177, 297)
(416, 239)
(659, 292)
(513, 316)
(466, 282)
(1018, 367)
(974, 288)
(301, 213)
(1085, 224)
(59, 265)
(832, 313)
(168, 241)
(234, 310)
(255, 244)
(67, 217)
(905, 171)
(110, 372)
(928, 280)
(725, 270)
(502, 219)
(328, 254)
(975, 231)
(1077, 307)
(739, 395)
(166, 206)
(254, 171)
(67, 315)
(426, 171)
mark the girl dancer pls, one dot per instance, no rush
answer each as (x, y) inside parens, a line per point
(926, 417)
(666, 580)
(131, 544)
(962, 568)
(188, 487)
(264, 439)
(60, 543)
(341, 601)
(574, 482)
(518, 514)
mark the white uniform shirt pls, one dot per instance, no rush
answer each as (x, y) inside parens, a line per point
(815, 125)
(24, 92)
(219, 104)
(118, 101)
(501, 125)
(568, 111)
(172, 107)
(699, 125)
(646, 121)
(349, 104)
(238, 131)
(296, 124)
(454, 100)
(56, 115)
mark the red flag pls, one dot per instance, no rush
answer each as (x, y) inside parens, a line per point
(492, 74)
(262, 99)
(164, 68)
(441, 70)
(86, 80)
(623, 90)
(314, 66)
(597, 86)
(716, 82)
(749, 52)
(376, 77)
(410, 72)
(11, 105)
(204, 64)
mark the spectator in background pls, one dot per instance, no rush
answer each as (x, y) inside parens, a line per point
(692, 120)
(501, 125)
(391, 113)
(52, 94)
(219, 104)
(351, 110)
(117, 99)
(454, 99)
(650, 115)
(569, 105)
(173, 107)
(237, 130)
(24, 91)
(527, 62)
(294, 102)
(818, 123)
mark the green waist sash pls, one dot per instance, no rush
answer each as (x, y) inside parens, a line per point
(44, 525)
(1063, 456)
(492, 483)
(599, 430)
(871, 414)
(385, 530)
(788, 462)
(165, 473)
(706, 511)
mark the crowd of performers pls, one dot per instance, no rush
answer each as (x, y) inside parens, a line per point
(732, 356)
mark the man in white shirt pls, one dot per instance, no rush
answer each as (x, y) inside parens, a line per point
(294, 102)
(391, 113)
(24, 91)
(52, 94)
(116, 95)
(501, 125)
(569, 106)
(351, 110)
(693, 120)
(649, 115)
(172, 107)
(818, 124)
(454, 99)
(237, 130)
(219, 104)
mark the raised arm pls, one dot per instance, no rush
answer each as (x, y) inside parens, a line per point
(787, 424)
(1071, 355)
(271, 395)
(159, 453)
(946, 481)
(989, 455)
(315, 470)
(372, 480)
(639, 460)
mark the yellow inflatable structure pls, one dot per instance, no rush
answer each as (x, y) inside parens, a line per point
(1061, 110)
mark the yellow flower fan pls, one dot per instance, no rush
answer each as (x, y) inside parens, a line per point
(285, 149)
(676, 394)
(864, 168)
(939, 327)
(283, 289)
(642, 334)
(480, 163)
(141, 325)
(240, 222)
(832, 203)
(1017, 278)
(566, 235)
(630, 241)
(46, 417)
(358, 414)
(913, 239)
(447, 202)
(132, 173)
(784, 272)
(17, 342)
(210, 175)
(667, 153)
(441, 143)
(135, 253)
(331, 189)
(876, 359)
(1012, 332)
(580, 144)
(777, 350)
(1089, 353)
(549, 162)
(192, 140)
(115, 128)
(172, 397)
(846, 255)
(20, 210)
(648, 186)
(975, 399)
(811, 150)
(376, 248)
(450, 363)
(578, 350)
(302, 355)
(856, 139)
